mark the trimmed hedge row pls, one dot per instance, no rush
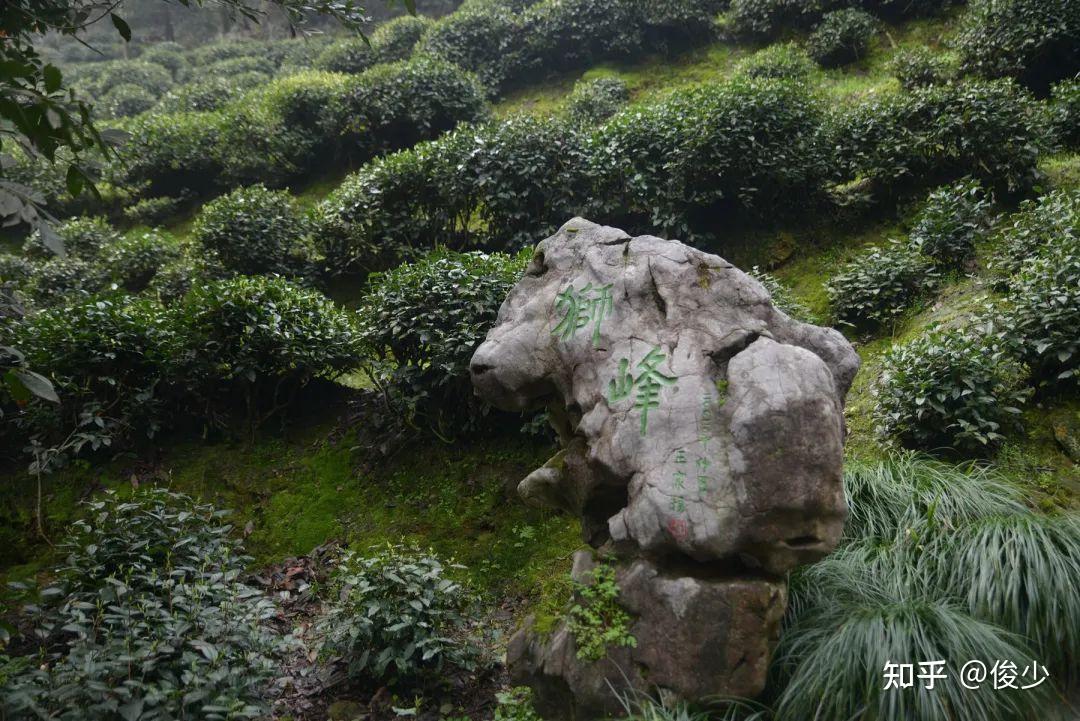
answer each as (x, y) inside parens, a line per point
(746, 148)
(296, 124)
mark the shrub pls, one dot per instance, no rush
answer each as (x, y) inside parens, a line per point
(103, 356)
(596, 100)
(1033, 41)
(779, 60)
(152, 620)
(483, 39)
(240, 66)
(1066, 112)
(133, 261)
(125, 100)
(81, 237)
(154, 211)
(952, 220)
(348, 55)
(65, 279)
(175, 278)
(526, 176)
(225, 50)
(903, 141)
(152, 78)
(396, 615)
(254, 230)
(1042, 313)
(422, 322)
(880, 284)
(841, 37)
(765, 18)
(209, 93)
(672, 25)
(560, 35)
(916, 67)
(746, 147)
(253, 341)
(1051, 220)
(168, 55)
(396, 39)
(14, 268)
(174, 153)
(957, 389)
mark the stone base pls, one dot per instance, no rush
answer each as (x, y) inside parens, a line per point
(696, 638)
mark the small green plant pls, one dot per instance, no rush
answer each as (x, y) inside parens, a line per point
(596, 619)
(919, 66)
(953, 219)
(596, 100)
(841, 37)
(515, 704)
(396, 615)
(780, 60)
(957, 388)
(782, 297)
(881, 283)
(149, 620)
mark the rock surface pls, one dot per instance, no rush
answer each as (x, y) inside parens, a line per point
(702, 437)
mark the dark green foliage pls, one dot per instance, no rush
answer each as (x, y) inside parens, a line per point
(209, 93)
(254, 230)
(953, 219)
(82, 238)
(253, 343)
(1034, 41)
(396, 39)
(169, 56)
(992, 131)
(596, 619)
(673, 25)
(747, 147)
(767, 18)
(1042, 313)
(841, 37)
(880, 284)
(58, 280)
(919, 66)
(560, 35)
(484, 39)
(149, 620)
(955, 389)
(103, 355)
(347, 55)
(1066, 111)
(152, 78)
(422, 321)
(238, 66)
(396, 616)
(125, 100)
(154, 211)
(174, 153)
(14, 268)
(225, 50)
(526, 176)
(133, 261)
(1050, 221)
(596, 100)
(779, 60)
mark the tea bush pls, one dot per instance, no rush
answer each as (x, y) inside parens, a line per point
(904, 141)
(252, 342)
(1033, 41)
(880, 284)
(174, 153)
(81, 237)
(254, 230)
(1051, 220)
(396, 615)
(396, 39)
(765, 18)
(59, 280)
(1043, 310)
(952, 220)
(149, 620)
(484, 39)
(104, 357)
(209, 93)
(168, 55)
(841, 37)
(125, 100)
(14, 268)
(560, 35)
(779, 60)
(239, 66)
(957, 388)
(596, 100)
(422, 322)
(746, 147)
(133, 261)
(151, 77)
(347, 55)
(1066, 112)
(918, 66)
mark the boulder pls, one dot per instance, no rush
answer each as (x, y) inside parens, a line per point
(702, 437)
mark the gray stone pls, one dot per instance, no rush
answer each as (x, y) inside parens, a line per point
(701, 429)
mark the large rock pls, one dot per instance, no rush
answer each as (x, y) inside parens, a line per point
(701, 429)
